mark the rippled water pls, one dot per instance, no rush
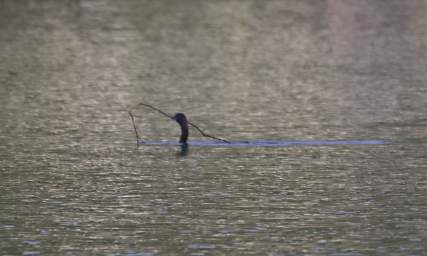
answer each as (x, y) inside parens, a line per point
(73, 181)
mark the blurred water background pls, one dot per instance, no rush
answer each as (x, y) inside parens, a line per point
(74, 183)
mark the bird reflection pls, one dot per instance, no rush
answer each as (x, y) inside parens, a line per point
(184, 150)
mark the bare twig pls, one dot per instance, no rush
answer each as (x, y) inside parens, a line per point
(207, 135)
(134, 127)
(158, 110)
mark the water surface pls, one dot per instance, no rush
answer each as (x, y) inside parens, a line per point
(73, 181)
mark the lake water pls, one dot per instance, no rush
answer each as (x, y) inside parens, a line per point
(73, 181)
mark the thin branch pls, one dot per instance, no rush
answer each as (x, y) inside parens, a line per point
(207, 135)
(158, 110)
(134, 127)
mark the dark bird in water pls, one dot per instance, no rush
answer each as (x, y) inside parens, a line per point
(183, 123)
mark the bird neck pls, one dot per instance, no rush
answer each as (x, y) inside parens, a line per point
(184, 133)
(183, 123)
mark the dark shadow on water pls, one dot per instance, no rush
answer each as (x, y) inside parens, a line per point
(184, 150)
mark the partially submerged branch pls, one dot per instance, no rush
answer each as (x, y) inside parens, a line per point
(134, 127)
(207, 135)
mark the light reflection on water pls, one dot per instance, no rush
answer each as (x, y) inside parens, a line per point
(74, 183)
(264, 143)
